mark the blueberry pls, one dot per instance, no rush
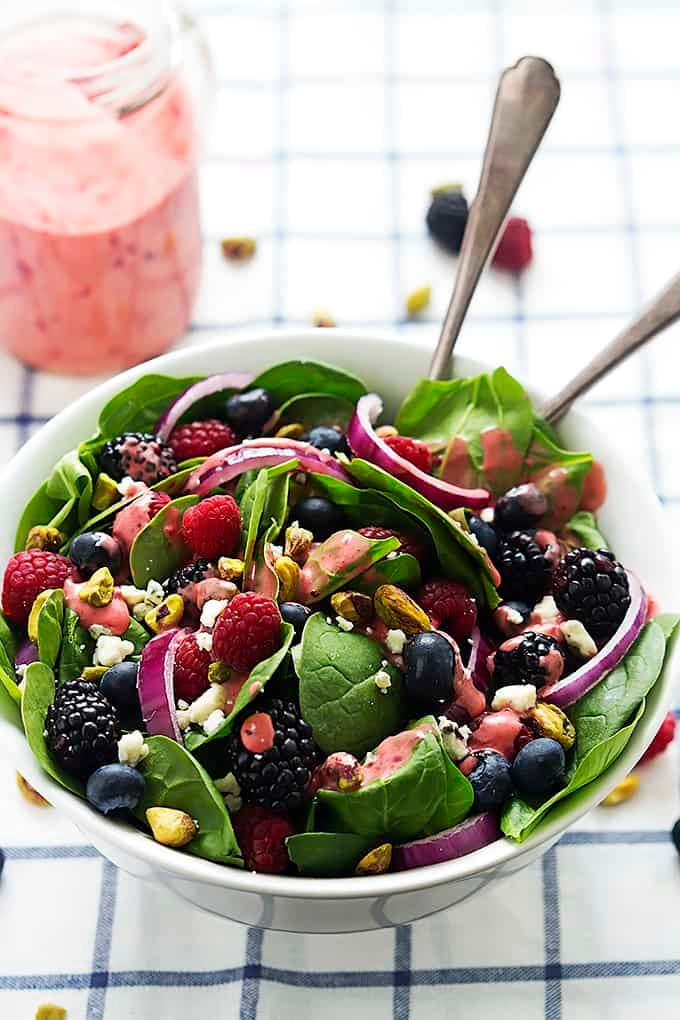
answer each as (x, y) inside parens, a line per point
(318, 515)
(539, 768)
(119, 686)
(484, 534)
(248, 412)
(520, 508)
(114, 787)
(675, 835)
(446, 218)
(295, 613)
(490, 780)
(95, 549)
(323, 437)
(429, 661)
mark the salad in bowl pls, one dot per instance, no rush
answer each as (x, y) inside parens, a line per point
(280, 633)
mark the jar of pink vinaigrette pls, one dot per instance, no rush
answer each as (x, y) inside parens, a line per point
(100, 244)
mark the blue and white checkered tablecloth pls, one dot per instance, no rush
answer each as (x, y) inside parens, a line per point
(333, 120)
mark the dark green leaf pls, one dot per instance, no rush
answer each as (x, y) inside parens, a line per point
(173, 778)
(342, 556)
(50, 621)
(63, 500)
(8, 638)
(402, 570)
(138, 634)
(138, 407)
(310, 409)
(37, 696)
(583, 526)
(338, 694)
(327, 854)
(158, 550)
(77, 648)
(298, 377)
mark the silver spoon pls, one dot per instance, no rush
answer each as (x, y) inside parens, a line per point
(662, 311)
(527, 96)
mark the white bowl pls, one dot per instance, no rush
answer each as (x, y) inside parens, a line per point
(389, 365)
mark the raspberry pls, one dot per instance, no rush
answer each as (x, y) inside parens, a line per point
(213, 527)
(200, 439)
(190, 677)
(26, 575)
(661, 741)
(514, 250)
(262, 838)
(138, 455)
(247, 631)
(413, 450)
(409, 544)
(449, 606)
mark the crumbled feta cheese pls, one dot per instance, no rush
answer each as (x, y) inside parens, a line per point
(110, 650)
(132, 749)
(231, 792)
(214, 721)
(207, 703)
(20, 670)
(370, 758)
(521, 697)
(392, 555)
(578, 639)
(344, 624)
(182, 704)
(183, 719)
(369, 631)
(545, 611)
(329, 621)
(154, 593)
(455, 738)
(487, 514)
(132, 596)
(513, 616)
(211, 610)
(96, 631)
(204, 641)
(140, 611)
(473, 538)
(395, 641)
(382, 681)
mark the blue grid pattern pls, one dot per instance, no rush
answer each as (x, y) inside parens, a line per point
(333, 120)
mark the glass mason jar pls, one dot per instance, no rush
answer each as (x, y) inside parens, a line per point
(100, 245)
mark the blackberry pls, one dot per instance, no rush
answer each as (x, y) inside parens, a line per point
(446, 219)
(525, 571)
(82, 728)
(138, 455)
(184, 576)
(277, 776)
(591, 586)
(524, 661)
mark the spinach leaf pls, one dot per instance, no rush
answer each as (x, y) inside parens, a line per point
(77, 648)
(295, 377)
(10, 700)
(10, 694)
(338, 695)
(50, 622)
(159, 548)
(402, 570)
(327, 854)
(8, 638)
(310, 409)
(557, 472)
(37, 696)
(583, 527)
(261, 576)
(460, 557)
(138, 634)
(333, 563)
(424, 795)
(138, 407)
(252, 686)
(173, 778)
(251, 508)
(62, 501)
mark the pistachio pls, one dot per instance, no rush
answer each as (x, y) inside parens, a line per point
(376, 861)
(624, 790)
(230, 569)
(238, 249)
(298, 543)
(323, 318)
(98, 591)
(418, 300)
(288, 573)
(39, 602)
(31, 794)
(48, 1011)
(171, 827)
(94, 673)
(43, 536)
(105, 492)
(386, 431)
(550, 721)
(218, 672)
(293, 431)
(353, 606)
(166, 615)
(398, 610)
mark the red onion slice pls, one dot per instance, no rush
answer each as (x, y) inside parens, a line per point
(469, 835)
(569, 689)
(203, 388)
(477, 666)
(155, 686)
(367, 444)
(225, 465)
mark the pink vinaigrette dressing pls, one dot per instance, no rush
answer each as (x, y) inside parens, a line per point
(99, 229)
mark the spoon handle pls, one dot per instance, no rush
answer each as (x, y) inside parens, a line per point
(663, 311)
(527, 96)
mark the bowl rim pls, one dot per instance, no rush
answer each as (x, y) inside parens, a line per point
(137, 844)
